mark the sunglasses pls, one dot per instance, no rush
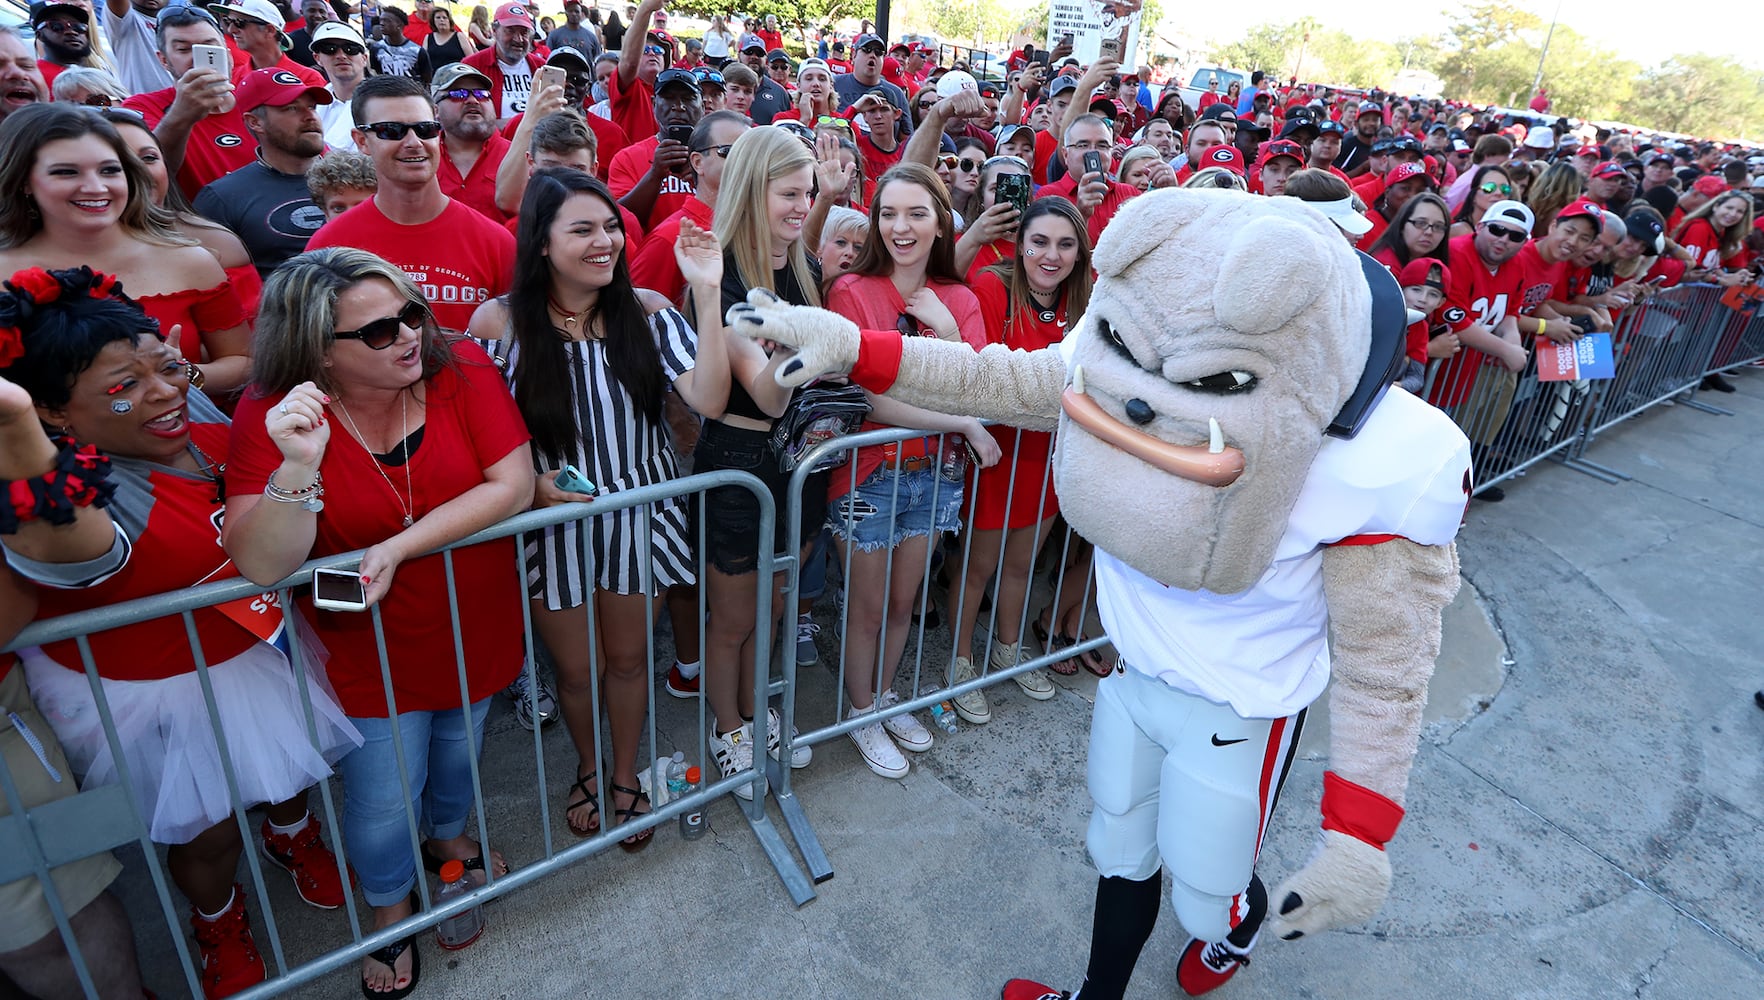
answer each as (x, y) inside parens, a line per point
(722, 151)
(708, 76)
(1502, 232)
(396, 131)
(653, 50)
(332, 48)
(1490, 187)
(97, 101)
(62, 24)
(948, 161)
(185, 10)
(383, 333)
(227, 21)
(907, 326)
(475, 93)
(832, 121)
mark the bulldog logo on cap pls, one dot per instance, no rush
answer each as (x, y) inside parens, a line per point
(286, 79)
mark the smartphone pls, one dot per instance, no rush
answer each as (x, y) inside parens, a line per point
(1044, 57)
(1657, 280)
(1093, 163)
(549, 76)
(1013, 188)
(571, 480)
(209, 57)
(338, 590)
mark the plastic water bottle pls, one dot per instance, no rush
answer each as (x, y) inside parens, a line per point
(943, 716)
(677, 776)
(463, 928)
(692, 823)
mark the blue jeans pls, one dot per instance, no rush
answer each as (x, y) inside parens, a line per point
(374, 825)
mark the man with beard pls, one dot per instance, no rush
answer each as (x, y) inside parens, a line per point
(267, 203)
(63, 33)
(770, 98)
(471, 151)
(508, 63)
(397, 55)
(578, 83)
(256, 28)
(1356, 149)
(652, 177)
(134, 48)
(21, 85)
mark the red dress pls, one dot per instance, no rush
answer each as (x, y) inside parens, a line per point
(200, 311)
(1031, 499)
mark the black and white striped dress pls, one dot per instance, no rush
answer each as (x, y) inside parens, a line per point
(619, 449)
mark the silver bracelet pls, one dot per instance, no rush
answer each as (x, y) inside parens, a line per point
(311, 498)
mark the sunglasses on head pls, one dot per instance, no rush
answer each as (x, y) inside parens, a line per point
(1513, 235)
(186, 10)
(396, 131)
(332, 48)
(97, 101)
(708, 76)
(1490, 187)
(832, 121)
(383, 333)
(477, 93)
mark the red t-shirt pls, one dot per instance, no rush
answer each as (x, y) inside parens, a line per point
(1703, 243)
(1119, 194)
(872, 302)
(1032, 497)
(219, 144)
(627, 171)
(608, 139)
(459, 258)
(1540, 280)
(876, 162)
(1001, 249)
(654, 267)
(472, 424)
(633, 110)
(1045, 148)
(476, 189)
(1475, 296)
(173, 526)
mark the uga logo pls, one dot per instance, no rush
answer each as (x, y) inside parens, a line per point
(285, 78)
(1222, 154)
(1453, 315)
(518, 11)
(228, 140)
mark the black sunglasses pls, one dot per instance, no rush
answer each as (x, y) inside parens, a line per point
(721, 151)
(186, 10)
(1514, 235)
(332, 48)
(383, 333)
(395, 131)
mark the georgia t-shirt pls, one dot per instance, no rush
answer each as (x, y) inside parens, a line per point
(458, 259)
(517, 84)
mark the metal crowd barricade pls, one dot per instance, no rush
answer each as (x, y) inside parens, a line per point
(103, 818)
(924, 687)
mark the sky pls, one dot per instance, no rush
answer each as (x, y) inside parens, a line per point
(1615, 24)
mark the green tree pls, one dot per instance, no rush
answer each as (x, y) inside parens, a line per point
(1700, 95)
(1484, 53)
(1270, 47)
(1584, 80)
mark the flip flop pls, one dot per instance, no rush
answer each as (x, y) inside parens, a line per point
(1065, 668)
(432, 862)
(388, 956)
(1092, 658)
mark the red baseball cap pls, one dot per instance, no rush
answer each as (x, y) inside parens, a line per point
(1228, 157)
(1582, 209)
(1277, 148)
(1403, 171)
(1609, 169)
(514, 13)
(1425, 271)
(1590, 149)
(276, 88)
(1710, 185)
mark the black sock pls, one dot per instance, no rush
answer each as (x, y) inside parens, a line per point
(1125, 913)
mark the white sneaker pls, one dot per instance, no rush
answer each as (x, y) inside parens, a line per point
(800, 756)
(878, 750)
(972, 706)
(905, 729)
(1035, 683)
(733, 754)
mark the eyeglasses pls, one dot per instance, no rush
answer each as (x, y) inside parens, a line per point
(721, 151)
(475, 93)
(1428, 227)
(1490, 187)
(396, 131)
(1502, 232)
(383, 333)
(332, 48)
(97, 101)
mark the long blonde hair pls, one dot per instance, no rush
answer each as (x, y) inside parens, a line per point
(762, 155)
(1735, 236)
(1559, 185)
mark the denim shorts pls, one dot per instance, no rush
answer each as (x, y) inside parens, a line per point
(891, 506)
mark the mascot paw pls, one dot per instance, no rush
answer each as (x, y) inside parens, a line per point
(1343, 884)
(826, 343)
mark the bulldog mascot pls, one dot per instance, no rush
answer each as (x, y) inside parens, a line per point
(1230, 440)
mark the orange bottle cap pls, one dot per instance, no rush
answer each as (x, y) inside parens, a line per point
(693, 774)
(452, 871)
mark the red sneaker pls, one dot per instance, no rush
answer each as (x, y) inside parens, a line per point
(1207, 965)
(304, 856)
(681, 686)
(1028, 989)
(230, 961)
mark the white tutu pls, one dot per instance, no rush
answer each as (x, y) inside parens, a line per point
(173, 760)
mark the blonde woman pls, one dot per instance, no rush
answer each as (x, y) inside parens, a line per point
(1559, 185)
(478, 31)
(1137, 165)
(1715, 234)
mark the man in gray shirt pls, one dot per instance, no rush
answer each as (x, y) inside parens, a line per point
(866, 76)
(573, 34)
(267, 202)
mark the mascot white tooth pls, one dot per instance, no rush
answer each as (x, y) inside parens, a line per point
(1230, 441)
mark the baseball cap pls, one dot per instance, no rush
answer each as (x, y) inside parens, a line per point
(1219, 112)
(813, 63)
(1330, 127)
(1710, 185)
(337, 31)
(1425, 271)
(1405, 144)
(1460, 146)
(683, 77)
(1588, 150)
(1646, 229)
(43, 10)
(276, 88)
(1582, 209)
(863, 40)
(1512, 213)
(989, 88)
(1228, 157)
(1405, 171)
(262, 10)
(1281, 147)
(1370, 107)
(954, 82)
(777, 55)
(1251, 125)
(1008, 132)
(513, 13)
(568, 53)
(751, 42)
(1298, 123)
(448, 77)
(1609, 168)
(1061, 84)
(869, 98)
(1540, 137)
(1344, 215)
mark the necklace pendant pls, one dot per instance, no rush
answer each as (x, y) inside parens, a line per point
(407, 521)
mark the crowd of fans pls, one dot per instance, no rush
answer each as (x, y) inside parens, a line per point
(293, 283)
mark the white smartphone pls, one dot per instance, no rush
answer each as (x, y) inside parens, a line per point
(338, 590)
(549, 76)
(209, 57)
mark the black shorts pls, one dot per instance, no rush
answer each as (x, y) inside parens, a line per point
(732, 513)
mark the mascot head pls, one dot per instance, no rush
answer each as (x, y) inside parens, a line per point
(1225, 332)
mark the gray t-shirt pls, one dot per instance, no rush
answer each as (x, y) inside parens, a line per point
(847, 88)
(271, 212)
(580, 39)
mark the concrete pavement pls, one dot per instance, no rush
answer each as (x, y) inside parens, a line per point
(1585, 814)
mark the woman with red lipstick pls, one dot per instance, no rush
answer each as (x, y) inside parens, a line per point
(130, 398)
(71, 193)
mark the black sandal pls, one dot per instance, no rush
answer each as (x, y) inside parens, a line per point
(432, 862)
(1066, 667)
(637, 841)
(589, 799)
(388, 956)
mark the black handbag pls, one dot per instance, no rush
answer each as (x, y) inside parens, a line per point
(818, 413)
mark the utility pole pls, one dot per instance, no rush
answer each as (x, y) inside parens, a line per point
(1537, 81)
(882, 21)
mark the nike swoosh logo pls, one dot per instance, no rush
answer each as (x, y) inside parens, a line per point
(1225, 743)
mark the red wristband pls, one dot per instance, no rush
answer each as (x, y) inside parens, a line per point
(1358, 811)
(879, 356)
